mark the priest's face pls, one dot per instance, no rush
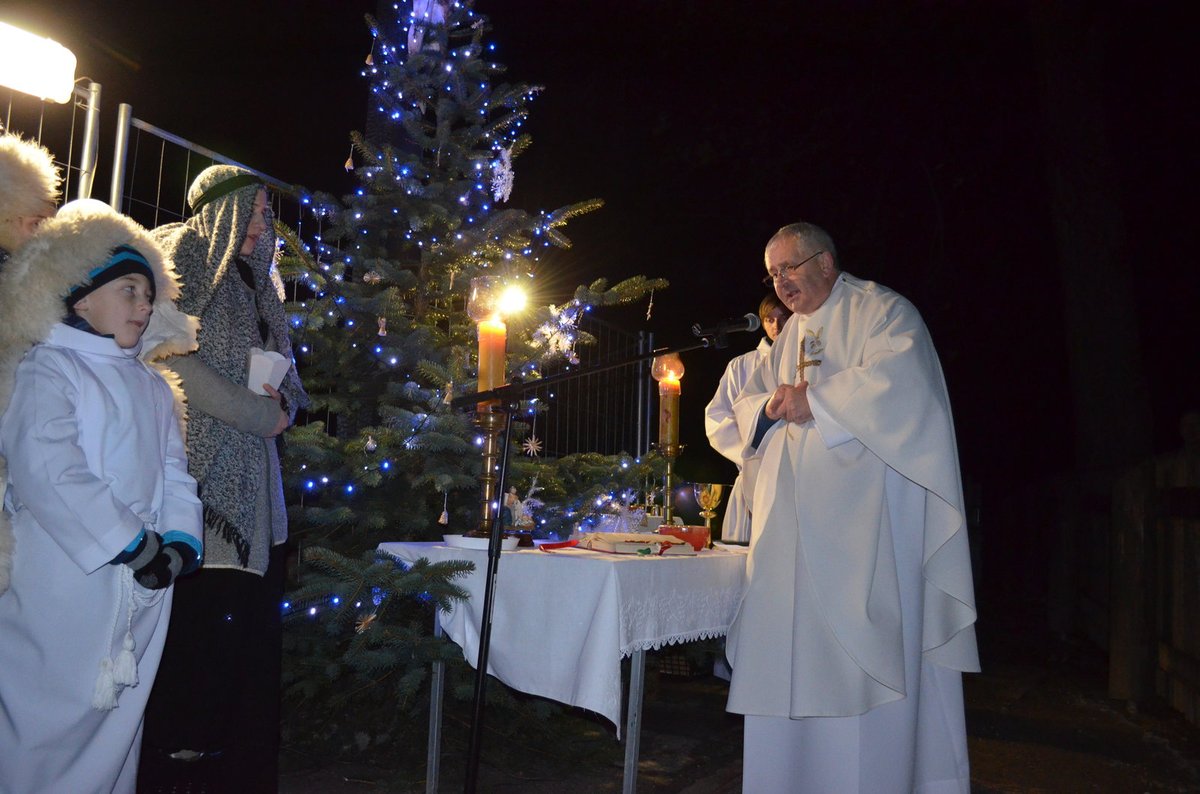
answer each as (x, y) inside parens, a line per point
(804, 276)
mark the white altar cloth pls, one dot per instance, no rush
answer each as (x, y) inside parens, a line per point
(563, 620)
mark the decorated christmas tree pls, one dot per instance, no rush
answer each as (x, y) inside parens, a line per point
(384, 342)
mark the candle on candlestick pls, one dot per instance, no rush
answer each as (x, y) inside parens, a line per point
(484, 307)
(491, 299)
(668, 370)
(668, 413)
(492, 338)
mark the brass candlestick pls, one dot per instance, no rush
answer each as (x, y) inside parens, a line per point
(491, 423)
(668, 369)
(486, 305)
(670, 454)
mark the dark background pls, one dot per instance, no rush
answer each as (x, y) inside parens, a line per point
(922, 136)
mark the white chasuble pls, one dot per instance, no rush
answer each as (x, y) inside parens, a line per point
(821, 629)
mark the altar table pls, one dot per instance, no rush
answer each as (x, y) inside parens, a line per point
(563, 620)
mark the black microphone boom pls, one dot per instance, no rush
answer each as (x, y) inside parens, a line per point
(747, 322)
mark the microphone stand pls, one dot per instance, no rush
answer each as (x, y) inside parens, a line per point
(509, 398)
(720, 334)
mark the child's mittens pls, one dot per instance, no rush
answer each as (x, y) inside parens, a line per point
(141, 551)
(185, 547)
(158, 560)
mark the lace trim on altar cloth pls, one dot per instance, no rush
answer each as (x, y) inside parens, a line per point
(668, 612)
(675, 639)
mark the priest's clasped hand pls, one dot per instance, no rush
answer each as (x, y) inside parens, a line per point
(790, 403)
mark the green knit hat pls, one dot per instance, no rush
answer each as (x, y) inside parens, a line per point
(217, 181)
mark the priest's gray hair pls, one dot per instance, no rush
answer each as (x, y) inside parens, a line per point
(810, 233)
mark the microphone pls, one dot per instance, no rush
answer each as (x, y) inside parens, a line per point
(747, 322)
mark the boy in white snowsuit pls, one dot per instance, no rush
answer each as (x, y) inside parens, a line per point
(99, 505)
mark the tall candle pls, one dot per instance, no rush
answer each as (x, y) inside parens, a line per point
(668, 414)
(491, 356)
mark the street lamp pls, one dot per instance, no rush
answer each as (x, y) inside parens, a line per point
(35, 65)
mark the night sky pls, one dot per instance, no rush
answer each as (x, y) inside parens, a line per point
(914, 133)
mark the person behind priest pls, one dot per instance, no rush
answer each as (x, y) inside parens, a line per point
(720, 425)
(216, 702)
(28, 191)
(858, 619)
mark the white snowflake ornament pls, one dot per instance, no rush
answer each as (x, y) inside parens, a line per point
(502, 176)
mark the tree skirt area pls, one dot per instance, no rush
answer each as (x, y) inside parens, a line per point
(689, 743)
(1038, 720)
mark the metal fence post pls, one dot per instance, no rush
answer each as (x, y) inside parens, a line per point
(120, 155)
(91, 140)
(645, 345)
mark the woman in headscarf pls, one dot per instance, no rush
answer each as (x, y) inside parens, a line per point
(216, 701)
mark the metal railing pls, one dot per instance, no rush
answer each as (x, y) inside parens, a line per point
(152, 170)
(73, 128)
(608, 412)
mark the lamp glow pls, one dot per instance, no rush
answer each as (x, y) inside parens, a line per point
(34, 65)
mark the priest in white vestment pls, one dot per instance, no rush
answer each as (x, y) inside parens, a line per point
(858, 619)
(720, 424)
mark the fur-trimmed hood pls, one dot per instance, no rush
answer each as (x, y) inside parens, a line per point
(36, 280)
(28, 177)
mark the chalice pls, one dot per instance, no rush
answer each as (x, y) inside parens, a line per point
(708, 496)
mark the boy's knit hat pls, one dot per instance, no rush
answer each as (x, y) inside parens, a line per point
(123, 261)
(28, 177)
(88, 238)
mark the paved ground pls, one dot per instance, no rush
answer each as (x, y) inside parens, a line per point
(1038, 721)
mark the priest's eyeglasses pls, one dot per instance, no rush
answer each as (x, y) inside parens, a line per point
(787, 270)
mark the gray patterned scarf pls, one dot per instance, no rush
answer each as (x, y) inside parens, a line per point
(226, 462)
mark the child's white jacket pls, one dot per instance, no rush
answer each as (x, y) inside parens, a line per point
(86, 435)
(91, 438)
(35, 282)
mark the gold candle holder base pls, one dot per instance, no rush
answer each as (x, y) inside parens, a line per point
(669, 485)
(490, 423)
